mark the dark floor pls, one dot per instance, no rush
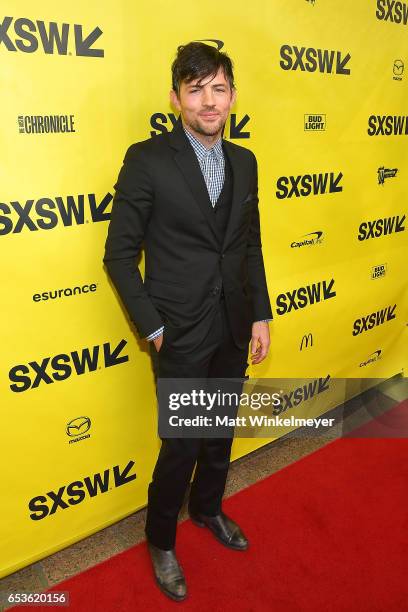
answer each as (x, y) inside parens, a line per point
(243, 472)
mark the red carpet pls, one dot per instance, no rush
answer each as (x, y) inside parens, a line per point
(327, 533)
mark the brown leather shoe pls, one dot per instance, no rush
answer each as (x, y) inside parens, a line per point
(168, 572)
(224, 529)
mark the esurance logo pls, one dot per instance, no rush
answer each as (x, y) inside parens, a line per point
(304, 296)
(374, 319)
(77, 491)
(60, 367)
(52, 38)
(389, 10)
(55, 294)
(381, 227)
(305, 185)
(46, 213)
(309, 59)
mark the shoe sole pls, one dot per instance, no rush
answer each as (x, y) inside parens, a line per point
(201, 524)
(168, 593)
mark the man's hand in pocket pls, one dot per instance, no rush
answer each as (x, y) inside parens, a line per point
(158, 342)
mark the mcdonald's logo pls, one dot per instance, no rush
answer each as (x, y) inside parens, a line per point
(307, 339)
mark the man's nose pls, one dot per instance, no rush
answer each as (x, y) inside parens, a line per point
(208, 97)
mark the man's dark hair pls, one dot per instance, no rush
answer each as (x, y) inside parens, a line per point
(197, 60)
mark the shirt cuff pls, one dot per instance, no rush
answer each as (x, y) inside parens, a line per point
(155, 334)
(265, 320)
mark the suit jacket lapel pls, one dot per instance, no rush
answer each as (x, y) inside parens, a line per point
(238, 188)
(187, 162)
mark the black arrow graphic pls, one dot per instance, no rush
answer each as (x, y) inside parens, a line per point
(111, 356)
(399, 226)
(236, 129)
(334, 182)
(340, 68)
(83, 45)
(122, 478)
(98, 210)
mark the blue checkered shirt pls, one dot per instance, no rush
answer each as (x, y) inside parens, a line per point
(212, 164)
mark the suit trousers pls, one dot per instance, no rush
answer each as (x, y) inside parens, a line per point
(217, 356)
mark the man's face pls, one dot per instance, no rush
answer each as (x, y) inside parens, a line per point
(205, 107)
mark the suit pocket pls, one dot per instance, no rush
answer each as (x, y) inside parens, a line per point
(166, 290)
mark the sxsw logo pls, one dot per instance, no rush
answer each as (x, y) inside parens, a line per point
(389, 10)
(378, 271)
(374, 319)
(28, 36)
(385, 173)
(381, 227)
(162, 123)
(305, 296)
(60, 367)
(309, 59)
(387, 125)
(304, 185)
(46, 213)
(302, 394)
(77, 491)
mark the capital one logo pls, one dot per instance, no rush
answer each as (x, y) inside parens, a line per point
(29, 36)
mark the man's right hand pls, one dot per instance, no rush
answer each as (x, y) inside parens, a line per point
(158, 342)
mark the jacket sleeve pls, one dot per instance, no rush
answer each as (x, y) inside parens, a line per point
(256, 270)
(131, 210)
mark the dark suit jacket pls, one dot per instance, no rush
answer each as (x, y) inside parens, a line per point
(161, 198)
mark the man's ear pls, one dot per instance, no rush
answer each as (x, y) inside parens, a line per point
(174, 101)
(233, 97)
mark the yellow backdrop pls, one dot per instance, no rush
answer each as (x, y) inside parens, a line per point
(322, 101)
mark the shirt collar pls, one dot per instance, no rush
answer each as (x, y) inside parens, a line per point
(201, 150)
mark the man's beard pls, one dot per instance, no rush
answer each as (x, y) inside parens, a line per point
(211, 130)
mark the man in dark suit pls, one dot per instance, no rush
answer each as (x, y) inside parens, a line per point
(191, 196)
